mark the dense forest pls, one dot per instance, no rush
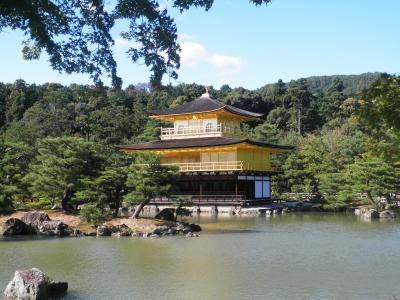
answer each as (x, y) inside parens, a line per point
(57, 142)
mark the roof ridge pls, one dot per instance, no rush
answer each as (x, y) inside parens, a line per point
(217, 101)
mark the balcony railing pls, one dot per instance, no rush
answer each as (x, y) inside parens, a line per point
(202, 199)
(194, 131)
(220, 166)
(209, 166)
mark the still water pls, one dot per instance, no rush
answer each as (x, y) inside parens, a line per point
(294, 256)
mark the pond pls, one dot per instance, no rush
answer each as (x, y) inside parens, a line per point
(293, 256)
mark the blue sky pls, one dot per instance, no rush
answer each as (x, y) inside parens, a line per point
(242, 45)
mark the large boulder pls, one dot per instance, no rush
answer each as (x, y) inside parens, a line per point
(105, 230)
(90, 233)
(167, 214)
(54, 228)
(387, 214)
(194, 227)
(123, 230)
(35, 218)
(14, 226)
(33, 284)
(371, 214)
(162, 230)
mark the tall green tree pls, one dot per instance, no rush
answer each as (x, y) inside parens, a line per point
(20, 97)
(109, 186)
(374, 176)
(377, 111)
(330, 105)
(52, 114)
(300, 98)
(380, 104)
(148, 179)
(60, 167)
(14, 163)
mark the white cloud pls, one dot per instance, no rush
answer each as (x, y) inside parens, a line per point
(195, 54)
(226, 64)
(192, 53)
(123, 43)
(120, 43)
(183, 37)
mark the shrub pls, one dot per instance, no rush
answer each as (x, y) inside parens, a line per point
(39, 204)
(91, 214)
(180, 203)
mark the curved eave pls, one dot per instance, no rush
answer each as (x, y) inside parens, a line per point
(276, 148)
(241, 143)
(242, 112)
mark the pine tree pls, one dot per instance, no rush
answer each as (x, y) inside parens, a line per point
(374, 176)
(109, 186)
(148, 179)
(60, 168)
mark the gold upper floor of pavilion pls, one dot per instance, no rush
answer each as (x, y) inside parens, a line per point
(203, 117)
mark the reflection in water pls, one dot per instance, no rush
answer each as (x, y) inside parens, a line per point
(293, 256)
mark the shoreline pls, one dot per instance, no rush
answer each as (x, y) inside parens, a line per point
(60, 224)
(151, 227)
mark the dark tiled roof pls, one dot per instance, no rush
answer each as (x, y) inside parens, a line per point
(203, 104)
(195, 142)
(243, 112)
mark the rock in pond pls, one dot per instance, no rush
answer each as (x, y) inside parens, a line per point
(167, 214)
(54, 228)
(35, 218)
(104, 230)
(371, 214)
(117, 230)
(195, 227)
(123, 230)
(14, 226)
(161, 230)
(90, 233)
(33, 284)
(387, 214)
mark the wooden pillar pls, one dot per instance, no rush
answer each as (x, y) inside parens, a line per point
(236, 187)
(201, 189)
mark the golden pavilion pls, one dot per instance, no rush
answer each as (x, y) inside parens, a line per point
(218, 165)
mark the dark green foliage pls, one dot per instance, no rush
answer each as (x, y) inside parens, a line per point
(37, 205)
(380, 104)
(180, 203)
(109, 186)
(317, 164)
(374, 176)
(60, 167)
(353, 84)
(148, 179)
(333, 99)
(91, 214)
(77, 34)
(248, 100)
(14, 165)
